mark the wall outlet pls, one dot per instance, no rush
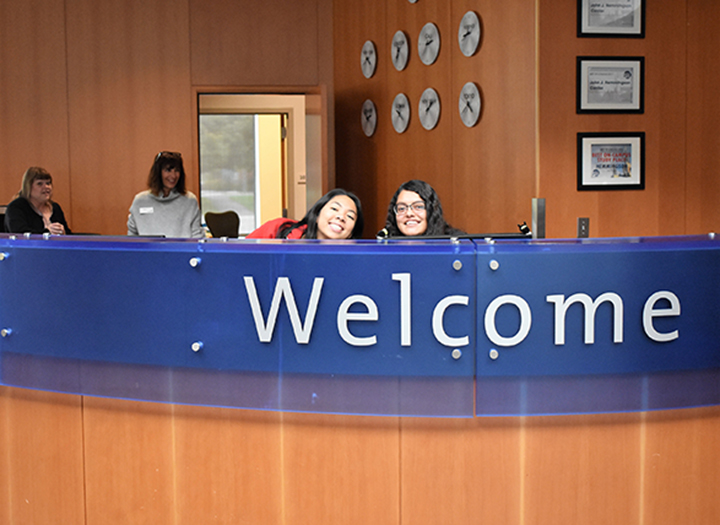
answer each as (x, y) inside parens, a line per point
(583, 227)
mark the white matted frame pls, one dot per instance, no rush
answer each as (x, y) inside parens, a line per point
(611, 161)
(610, 84)
(619, 18)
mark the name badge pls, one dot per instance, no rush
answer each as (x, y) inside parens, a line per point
(145, 211)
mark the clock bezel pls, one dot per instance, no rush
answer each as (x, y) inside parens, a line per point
(429, 120)
(434, 50)
(477, 31)
(406, 110)
(462, 104)
(401, 62)
(372, 62)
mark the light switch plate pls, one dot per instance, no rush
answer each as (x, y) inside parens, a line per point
(583, 227)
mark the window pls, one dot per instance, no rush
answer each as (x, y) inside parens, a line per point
(228, 166)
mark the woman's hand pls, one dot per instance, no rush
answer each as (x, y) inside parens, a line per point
(56, 228)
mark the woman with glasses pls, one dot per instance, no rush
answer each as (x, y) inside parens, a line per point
(336, 215)
(166, 208)
(415, 210)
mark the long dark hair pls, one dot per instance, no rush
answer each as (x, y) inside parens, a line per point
(436, 224)
(166, 159)
(311, 216)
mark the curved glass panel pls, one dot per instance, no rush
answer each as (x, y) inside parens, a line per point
(447, 328)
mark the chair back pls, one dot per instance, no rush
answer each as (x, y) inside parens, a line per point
(224, 224)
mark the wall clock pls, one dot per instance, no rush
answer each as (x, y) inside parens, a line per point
(400, 113)
(400, 50)
(469, 104)
(368, 59)
(368, 118)
(429, 109)
(469, 33)
(429, 43)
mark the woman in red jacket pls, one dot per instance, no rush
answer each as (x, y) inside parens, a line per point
(337, 215)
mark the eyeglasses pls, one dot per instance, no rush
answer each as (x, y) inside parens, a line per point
(417, 207)
(171, 154)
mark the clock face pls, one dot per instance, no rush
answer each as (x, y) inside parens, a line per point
(429, 109)
(368, 118)
(469, 33)
(368, 59)
(429, 43)
(400, 113)
(400, 50)
(469, 104)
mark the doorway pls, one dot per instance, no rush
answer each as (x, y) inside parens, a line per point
(254, 154)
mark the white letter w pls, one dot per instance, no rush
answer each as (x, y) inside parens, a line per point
(283, 289)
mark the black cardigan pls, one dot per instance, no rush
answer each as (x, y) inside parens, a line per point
(21, 217)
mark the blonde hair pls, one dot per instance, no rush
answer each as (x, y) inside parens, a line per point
(30, 176)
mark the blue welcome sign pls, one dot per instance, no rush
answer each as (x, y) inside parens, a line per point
(436, 328)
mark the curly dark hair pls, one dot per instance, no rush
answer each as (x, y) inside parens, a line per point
(436, 224)
(163, 160)
(311, 217)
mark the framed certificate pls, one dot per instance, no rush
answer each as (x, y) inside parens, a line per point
(610, 84)
(619, 18)
(611, 161)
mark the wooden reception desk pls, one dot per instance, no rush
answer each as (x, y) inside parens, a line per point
(134, 447)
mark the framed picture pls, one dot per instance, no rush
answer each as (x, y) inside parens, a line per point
(611, 161)
(619, 18)
(610, 84)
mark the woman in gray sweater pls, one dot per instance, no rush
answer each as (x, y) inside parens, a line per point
(165, 209)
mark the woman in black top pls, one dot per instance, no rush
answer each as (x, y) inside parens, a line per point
(34, 211)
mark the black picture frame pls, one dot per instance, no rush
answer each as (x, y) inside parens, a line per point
(610, 84)
(621, 19)
(611, 161)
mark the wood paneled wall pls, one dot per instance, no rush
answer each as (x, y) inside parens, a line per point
(525, 143)
(93, 90)
(485, 175)
(33, 96)
(661, 208)
(86, 461)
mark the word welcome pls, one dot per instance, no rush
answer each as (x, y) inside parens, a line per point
(660, 304)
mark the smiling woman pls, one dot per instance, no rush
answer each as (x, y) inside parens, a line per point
(165, 209)
(34, 211)
(415, 210)
(336, 215)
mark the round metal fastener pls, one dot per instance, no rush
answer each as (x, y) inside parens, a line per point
(456, 354)
(457, 265)
(5, 332)
(494, 265)
(195, 262)
(494, 354)
(197, 346)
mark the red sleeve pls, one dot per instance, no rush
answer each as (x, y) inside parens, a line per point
(269, 229)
